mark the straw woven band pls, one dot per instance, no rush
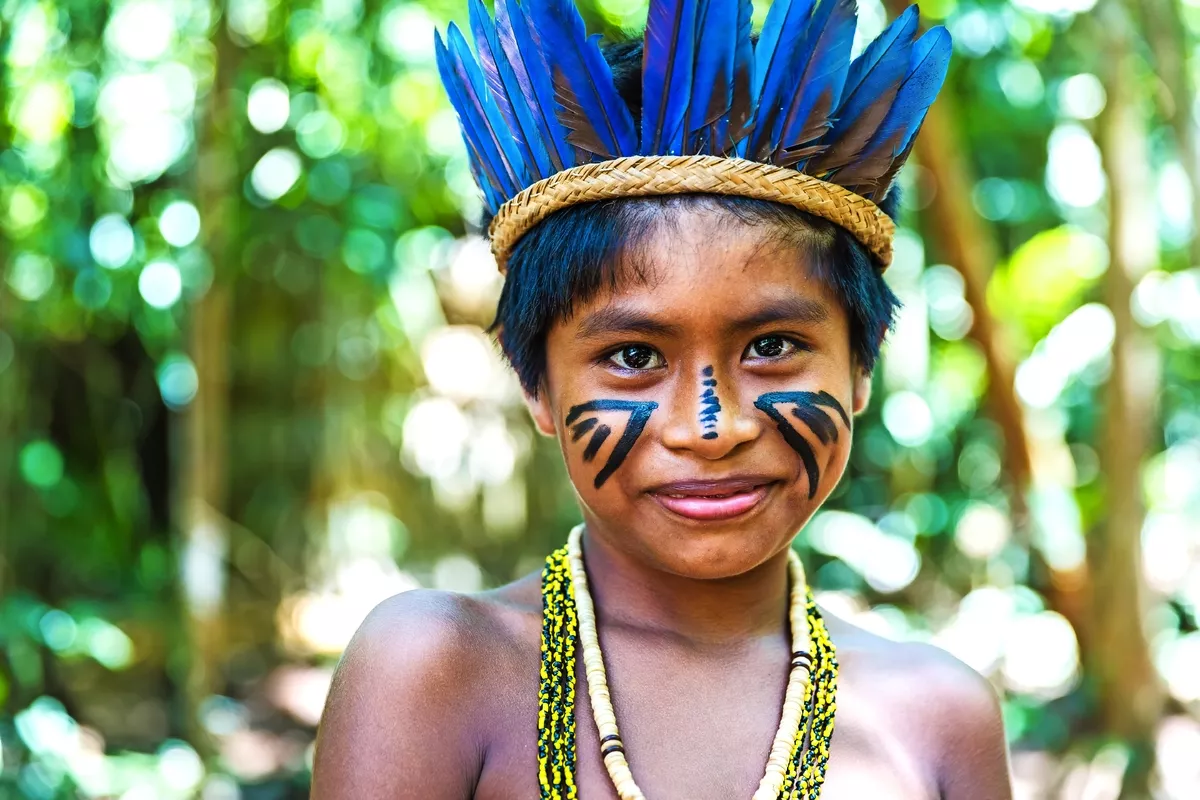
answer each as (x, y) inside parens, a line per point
(640, 176)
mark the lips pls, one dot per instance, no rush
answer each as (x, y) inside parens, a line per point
(713, 500)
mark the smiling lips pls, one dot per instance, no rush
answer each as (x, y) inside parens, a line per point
(712, 500)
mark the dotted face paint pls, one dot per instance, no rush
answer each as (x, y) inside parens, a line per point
(710, 404)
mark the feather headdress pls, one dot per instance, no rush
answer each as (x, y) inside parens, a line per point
(789, 118)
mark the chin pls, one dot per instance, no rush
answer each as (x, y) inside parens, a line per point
(716, 550)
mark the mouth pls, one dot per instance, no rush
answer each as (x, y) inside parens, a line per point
(713, 500)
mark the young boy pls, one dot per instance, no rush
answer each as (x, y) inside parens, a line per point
(700, 357)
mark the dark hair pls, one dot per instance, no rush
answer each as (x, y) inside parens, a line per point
(574, 253)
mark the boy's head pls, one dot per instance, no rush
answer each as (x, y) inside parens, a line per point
(575, 253)
(731, 340)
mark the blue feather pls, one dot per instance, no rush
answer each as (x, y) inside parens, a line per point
(506, 91)
(781, 34)
(712, 81)
(820, 68)
(667, 69)
(533, 75)
(733, 133)
(929, 60)
(894, 39)
(588, 103)
(871, 85)
(930, 63)
(509, 161)
(482, 159)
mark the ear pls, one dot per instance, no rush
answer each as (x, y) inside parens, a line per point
(860, 391)
(541, 411)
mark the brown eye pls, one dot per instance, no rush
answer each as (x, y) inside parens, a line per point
(637, 357)
(770, 347)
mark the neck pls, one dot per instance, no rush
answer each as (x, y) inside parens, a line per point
(630, 592)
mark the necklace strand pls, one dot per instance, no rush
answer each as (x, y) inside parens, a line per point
(556, 695)
(789, 736)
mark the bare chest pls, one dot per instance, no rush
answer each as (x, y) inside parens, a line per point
(700, 727)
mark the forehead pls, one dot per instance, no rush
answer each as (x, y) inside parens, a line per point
(701, 267)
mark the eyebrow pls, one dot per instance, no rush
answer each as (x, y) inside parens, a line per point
(610, 320)
(788, 309)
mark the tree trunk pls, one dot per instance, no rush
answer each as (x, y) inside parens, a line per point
(204, 471)
(1129, 693)
(960, 237)
(1166, 32)
(965, 241)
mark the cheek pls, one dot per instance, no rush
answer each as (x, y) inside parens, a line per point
(817, 427)
(598, 436)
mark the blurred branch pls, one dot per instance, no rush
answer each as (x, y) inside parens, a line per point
(962, 238)
(1130, 696)
(1166, 34)
(11, 405)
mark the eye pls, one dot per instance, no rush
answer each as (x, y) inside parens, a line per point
(637, 357)
(771, 347)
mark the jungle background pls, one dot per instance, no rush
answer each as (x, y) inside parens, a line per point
(246, 392)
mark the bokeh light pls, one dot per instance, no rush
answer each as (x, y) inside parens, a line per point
(112, 241)
(179, 223)
(31, 276)
(160, 284)
(268, 105)
(177, 381)
(275, 173)
(41, 464)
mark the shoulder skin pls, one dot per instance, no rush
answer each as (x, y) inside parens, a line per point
(408, 707)
(948, 712)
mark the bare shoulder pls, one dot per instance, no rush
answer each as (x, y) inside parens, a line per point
(945, 708)
(408, 712)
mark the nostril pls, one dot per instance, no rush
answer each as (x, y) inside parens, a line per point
(710, 404)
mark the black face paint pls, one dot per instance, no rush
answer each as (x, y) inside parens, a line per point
(639, 415)
(710, 404)
(596, 441)
(807, 409)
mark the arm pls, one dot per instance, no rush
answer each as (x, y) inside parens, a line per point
(397, 721)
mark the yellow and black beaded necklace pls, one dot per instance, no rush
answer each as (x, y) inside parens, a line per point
(805, 771)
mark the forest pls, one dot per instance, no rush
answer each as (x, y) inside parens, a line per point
(247, 390)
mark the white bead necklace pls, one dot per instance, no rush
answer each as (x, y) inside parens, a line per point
(611, 748)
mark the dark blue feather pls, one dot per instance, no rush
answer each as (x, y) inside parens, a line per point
(712, 82)
(483, 159)
(820, 66)
(895, 36)
(506, 91)
(871, 85)
(732, 134)
(532, 72)
(888, 147)
(781, 34)
(495, 130)
(667, 69)
(588, 103)
(930, 62)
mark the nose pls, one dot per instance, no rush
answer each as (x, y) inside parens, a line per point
(706, 416)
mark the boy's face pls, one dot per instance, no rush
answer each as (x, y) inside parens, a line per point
(705, 415)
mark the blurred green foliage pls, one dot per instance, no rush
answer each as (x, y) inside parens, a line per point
(245, 391)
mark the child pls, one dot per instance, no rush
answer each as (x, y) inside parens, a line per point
(693, 305)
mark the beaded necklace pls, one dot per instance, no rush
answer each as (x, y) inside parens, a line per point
(801, 750)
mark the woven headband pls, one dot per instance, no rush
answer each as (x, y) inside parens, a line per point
(787, 117)
(641, 176)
